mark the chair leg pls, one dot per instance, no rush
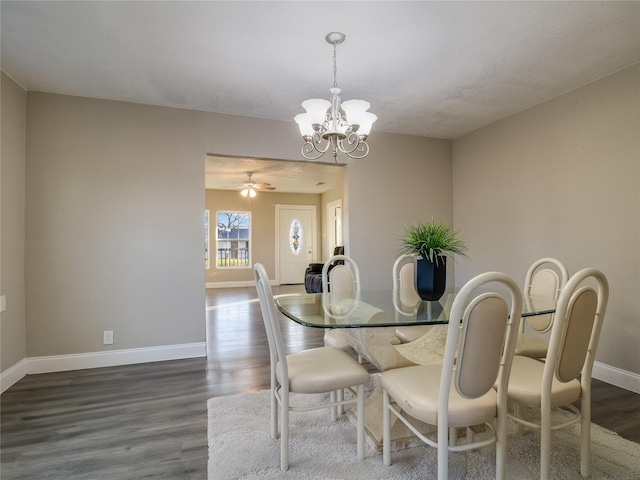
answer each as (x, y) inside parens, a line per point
(470, 435)
(453, 436)
(443, 446)
(501, 445)
(360, 420)
(284, 433)
(585, 435)
(386, 429)
(545, 443)
(520, 414)
(274, 415)
(585, 450)
(340, 398)
(334, 410)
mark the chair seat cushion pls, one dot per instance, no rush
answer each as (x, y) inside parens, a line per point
(335, 338)
(321, 370)
(409, 334)
(526, 379)
(416, 391)
(532, 346)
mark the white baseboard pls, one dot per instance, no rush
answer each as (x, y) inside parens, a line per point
(59, 363)
(616, 376)
(13, 374)
(80, 361)
(238, 284)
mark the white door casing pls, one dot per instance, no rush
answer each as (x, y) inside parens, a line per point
(334, 227)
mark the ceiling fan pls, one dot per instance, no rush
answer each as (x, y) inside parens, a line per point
(249, 187)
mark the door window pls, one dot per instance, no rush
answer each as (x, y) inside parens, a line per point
(296, 237)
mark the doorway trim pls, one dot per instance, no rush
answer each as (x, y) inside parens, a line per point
(334, 227)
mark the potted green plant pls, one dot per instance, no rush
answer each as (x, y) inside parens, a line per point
(431, 243)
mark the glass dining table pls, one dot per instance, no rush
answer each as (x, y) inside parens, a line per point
(363, 314)
(369, 320)
(382, 308)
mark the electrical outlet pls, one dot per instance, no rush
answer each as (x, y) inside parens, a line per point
(3, 303)
(107, 337)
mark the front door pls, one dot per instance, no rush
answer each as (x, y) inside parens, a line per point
(295, 241)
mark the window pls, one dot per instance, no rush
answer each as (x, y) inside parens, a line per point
(233, 240)
(207, 264)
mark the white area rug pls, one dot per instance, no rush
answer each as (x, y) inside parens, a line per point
(240, 448)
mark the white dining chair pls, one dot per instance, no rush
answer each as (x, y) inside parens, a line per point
(565, 375)
(545, 278)
(318, 370)
(342, 281)
(406, 299)
(460, 392)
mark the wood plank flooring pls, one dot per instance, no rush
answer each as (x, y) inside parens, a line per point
(149, 421)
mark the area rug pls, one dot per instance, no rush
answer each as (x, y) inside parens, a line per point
(240, 448)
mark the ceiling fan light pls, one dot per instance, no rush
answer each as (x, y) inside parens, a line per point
(248, 191)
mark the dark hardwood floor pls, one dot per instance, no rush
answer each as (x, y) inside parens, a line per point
(150, 420)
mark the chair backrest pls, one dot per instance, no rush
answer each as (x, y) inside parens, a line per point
(487, 324)
(340, 286)
(277, 349)
(576, 328)
(404, 289)
(332, 260)
(343, 277)
(544, 282)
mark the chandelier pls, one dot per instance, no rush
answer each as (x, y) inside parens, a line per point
(341, 127)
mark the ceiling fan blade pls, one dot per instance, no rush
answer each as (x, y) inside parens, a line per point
(262, 185)
(266, 188)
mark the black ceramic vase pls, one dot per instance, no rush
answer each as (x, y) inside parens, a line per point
(430, 279)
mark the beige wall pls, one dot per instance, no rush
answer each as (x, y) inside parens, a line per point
(263, 220)
(115, 193)
(12, 202)
(404, 179)
(561, 180)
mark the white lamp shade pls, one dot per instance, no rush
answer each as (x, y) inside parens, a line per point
(316, 109)
(355, 110)
(248, 191)
(304, 123)
(366, 122)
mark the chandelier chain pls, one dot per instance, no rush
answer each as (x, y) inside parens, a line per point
(335, 68)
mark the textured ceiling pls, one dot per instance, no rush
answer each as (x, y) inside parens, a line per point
(438, 69)
(229, 173)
